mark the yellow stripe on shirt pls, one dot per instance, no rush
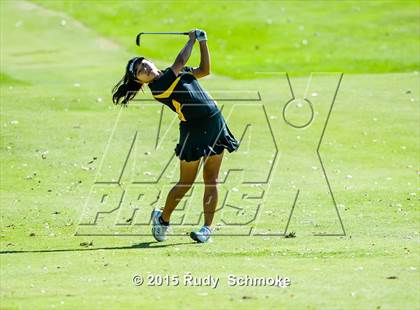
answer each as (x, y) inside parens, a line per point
(169, 91)
(177, 106)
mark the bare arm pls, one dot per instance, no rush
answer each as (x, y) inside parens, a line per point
(204, 68)
(184, 54)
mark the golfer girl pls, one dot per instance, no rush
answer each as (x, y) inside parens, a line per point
(203, 132)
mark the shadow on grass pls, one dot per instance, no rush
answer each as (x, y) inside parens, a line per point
(143, 245)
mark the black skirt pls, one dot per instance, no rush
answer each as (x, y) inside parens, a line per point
(206, 137)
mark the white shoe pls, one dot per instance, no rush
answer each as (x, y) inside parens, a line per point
(203, 235)
(159, 231)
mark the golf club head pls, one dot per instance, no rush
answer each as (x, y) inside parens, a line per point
(138, 38)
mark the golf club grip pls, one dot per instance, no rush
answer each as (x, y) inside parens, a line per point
(138, 36)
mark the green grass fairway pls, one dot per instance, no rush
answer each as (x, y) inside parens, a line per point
(248, 36)
(60, 134)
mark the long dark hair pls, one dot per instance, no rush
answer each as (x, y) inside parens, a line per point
(128, 86)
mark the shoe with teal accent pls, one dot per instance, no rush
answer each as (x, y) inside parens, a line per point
(203, 235)
(159, 231)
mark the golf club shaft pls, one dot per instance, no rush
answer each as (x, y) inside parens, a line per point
(176, 33)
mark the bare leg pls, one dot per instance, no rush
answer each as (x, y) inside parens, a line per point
(210, 175)
(188, 172)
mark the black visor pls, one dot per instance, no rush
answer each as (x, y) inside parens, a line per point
(132, 64)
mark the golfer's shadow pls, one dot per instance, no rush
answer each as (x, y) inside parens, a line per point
(143, 245)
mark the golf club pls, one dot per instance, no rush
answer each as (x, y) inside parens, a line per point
(138, 36)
